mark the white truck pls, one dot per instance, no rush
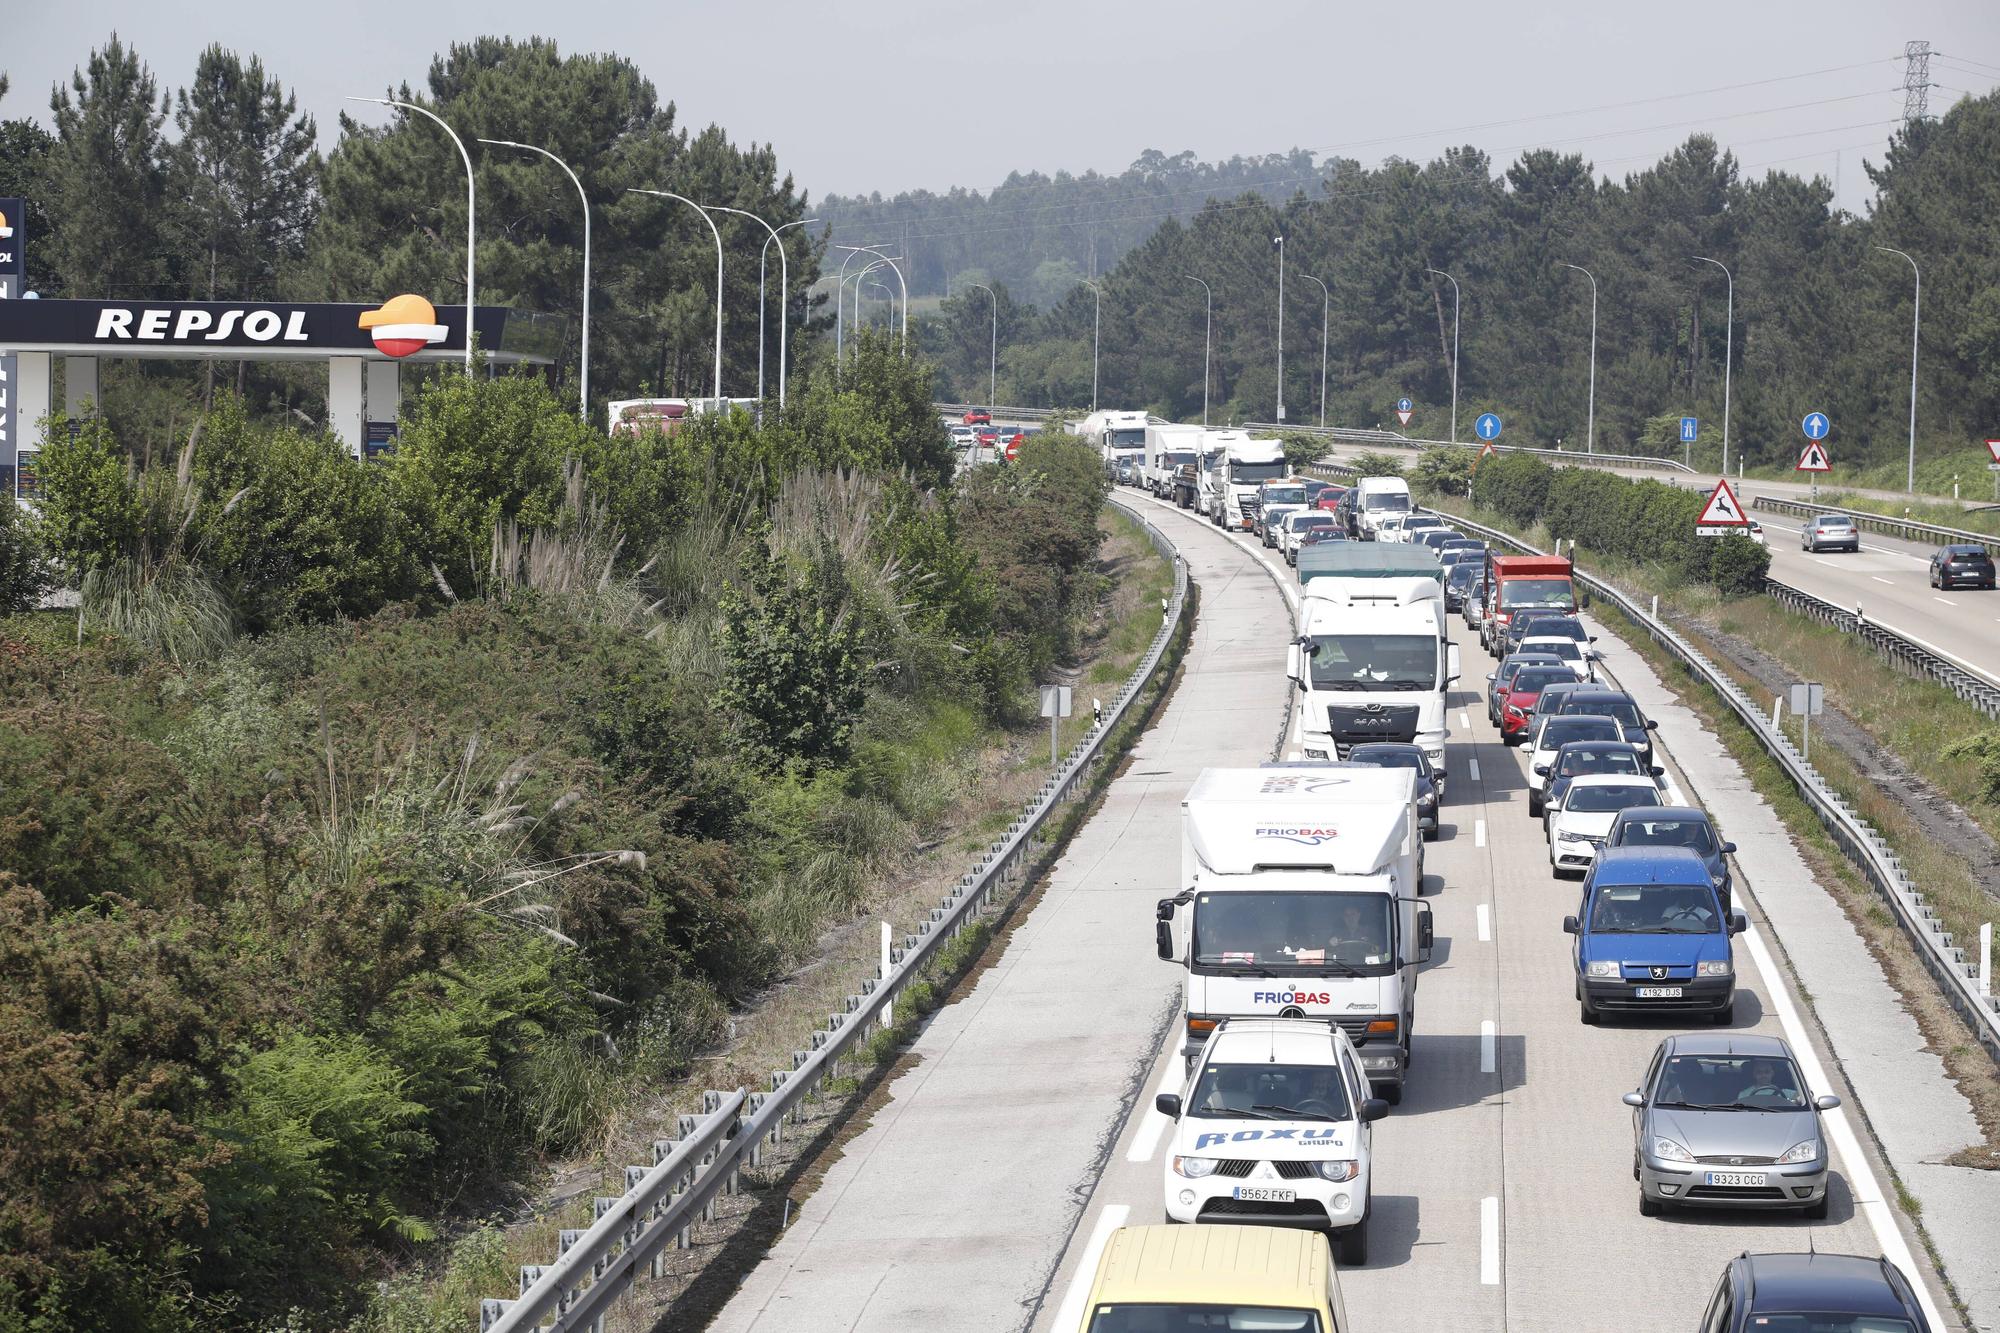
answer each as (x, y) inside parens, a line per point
(1238, 465)
(1119, 437)
(1168, 447)
(1376, 498)
(1374, 660)
(1301, 886)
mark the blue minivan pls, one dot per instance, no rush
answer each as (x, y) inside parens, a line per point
(1652, 937)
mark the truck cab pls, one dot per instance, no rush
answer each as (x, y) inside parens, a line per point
(1300, 884)
(1375, 499)
(1122, 438)
(1519, 583)
(1238, 466)
(1168, 447)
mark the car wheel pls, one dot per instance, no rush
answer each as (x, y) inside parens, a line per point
(1589, 1015)
(1648, 1207)
(1534, 806)
(1724, 1016)
(1431, 834)
(1350, 1246)
(1816, 1211)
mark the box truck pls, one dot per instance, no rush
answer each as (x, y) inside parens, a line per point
(1168, 448)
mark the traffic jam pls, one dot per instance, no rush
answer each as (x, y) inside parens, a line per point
(1306, 922)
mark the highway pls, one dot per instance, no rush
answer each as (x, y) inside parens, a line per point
(982, 1190)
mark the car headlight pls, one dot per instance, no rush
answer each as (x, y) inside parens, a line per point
(1600, 969)
(1339, 1171)
(1194, 1168)
(1315, 754)
(1669, 1151)
(1713, 967)
(1800, 1152)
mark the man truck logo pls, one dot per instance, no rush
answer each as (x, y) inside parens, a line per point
(403, 325)
(1306, 835)
(1290, 997)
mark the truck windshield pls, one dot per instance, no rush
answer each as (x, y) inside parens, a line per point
(1537, 592)
(1247, 474)
(1293, 930)
(1177, 458)
(1180, 1317)
(1386, 502)
(1134, 438)
(1285, 495)
(1655, 909)
(1269, 1091)
(1374, 661)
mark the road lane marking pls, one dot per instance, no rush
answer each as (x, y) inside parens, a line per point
(1479, 836)
(1153, 1125)
(1861, 1180)
(1485, 917)
(1463, 720)
(1489, 1033)
(1946, 600)
(1878, 578)
(1489, 1242)
(1472, 765)
(1070, 1314)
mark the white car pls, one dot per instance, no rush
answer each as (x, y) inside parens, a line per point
(1578, 826)
(1390, 528)
(1578, 657)
(1273, 519)
(1295, 527)
(1755, 532)
(1277, 1114)
(1551, 734)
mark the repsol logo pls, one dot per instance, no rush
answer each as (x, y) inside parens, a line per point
(127, 325)
(1290, 997)
(1324, 1138)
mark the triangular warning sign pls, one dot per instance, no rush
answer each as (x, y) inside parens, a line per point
(1722, 511)
(1993, 447)
(1486, 449)
(1402, 416)
(1814, 458)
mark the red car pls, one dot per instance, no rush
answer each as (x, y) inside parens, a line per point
(1330, 500)
(1519, 700)
(978, 416)
(988, 438)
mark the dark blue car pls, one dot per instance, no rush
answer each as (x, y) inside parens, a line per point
(1652, 937)
(1842, 1292)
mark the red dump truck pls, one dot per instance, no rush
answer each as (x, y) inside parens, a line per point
(1524, 583)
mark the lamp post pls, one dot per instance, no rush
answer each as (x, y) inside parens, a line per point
(1916, 327)
(875, 261)
(784, 296)
(840, 295)
(471, 206)
(993, 354)
(1454, 348)
(583, 388)
(1279, 241)
(1728, 351)
(1096, 326)
(1590, 429)
(876, 250)
(717, 231)
(1207, 333)
(1325, 310)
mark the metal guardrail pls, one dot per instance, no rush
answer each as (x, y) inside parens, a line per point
(1352, 435)
(1943, 957)
(1907, 528)
(1974, 689)
(662, 1202)
(1018, 413)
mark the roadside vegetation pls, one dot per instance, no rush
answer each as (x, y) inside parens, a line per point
(372, 831)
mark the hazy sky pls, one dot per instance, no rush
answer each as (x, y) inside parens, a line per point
(907, 93)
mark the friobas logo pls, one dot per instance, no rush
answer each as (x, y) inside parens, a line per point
(402, 325)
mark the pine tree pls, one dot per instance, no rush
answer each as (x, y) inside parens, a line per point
(106, 180)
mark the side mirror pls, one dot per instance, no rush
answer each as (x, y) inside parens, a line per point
(1570, 926)
(1541, 770)
(1584, 600)
(1426, 936)
(1738, 923)
(1168, 1104)
(1492, 676)
(1635, 1100)
(1373, 1108)
(1295, 664)
(1651, 725)
(1451, 664)
(1590, 638)
(1826, 1101)
(1163, 940)
(1656, 770)
(1728, 848)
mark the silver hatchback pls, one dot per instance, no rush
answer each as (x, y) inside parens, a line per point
(1830, 532)
(1723, 1120)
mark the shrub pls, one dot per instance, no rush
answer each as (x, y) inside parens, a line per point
(795, 673)
(91, 510)
(1377, 465)
(24, 569)
(1445, 470)
(1738, 565)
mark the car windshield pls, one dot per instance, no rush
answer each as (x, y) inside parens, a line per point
(1732, 1082)
(1395, 756)
(1569, 650)
(1374, 661)
(1606, 798)
(1653, 909)
(1285, 495)
(1180, 1317)
(1542, 626)
(1836, 521)
(1577, 760)
(1529, 680)
(1829, 1323)
(1461, 575)
(1390, 502)
(1693, 834)
(1300, 522)
(1555, 592)
(1623, 711)
(1292, 929)
(1177, 458)
(1269, 1091)
(1562, 731)
(1133, 438)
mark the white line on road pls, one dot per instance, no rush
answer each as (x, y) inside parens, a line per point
(1070, 1314)
(1152, 1125)
(1485, 917)
(1472, 765)
(1489, 1033)
(1489, 1242)
(1463, 720)
(1878, 578)
(1946, 600)
(1479, 836)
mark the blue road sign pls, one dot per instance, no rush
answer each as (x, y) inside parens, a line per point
(1405, 405)
(1487, 427)
(1816, 425)
(1688, 427)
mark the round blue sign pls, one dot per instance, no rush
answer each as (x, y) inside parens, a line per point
(1404, 405)
(1816, 425)
(1488, 426)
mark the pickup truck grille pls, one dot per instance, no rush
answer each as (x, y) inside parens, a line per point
(1351, 724)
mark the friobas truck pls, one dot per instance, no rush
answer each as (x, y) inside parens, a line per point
(1237, 466)
(1299, 899)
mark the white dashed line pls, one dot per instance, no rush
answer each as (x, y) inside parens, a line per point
(1484, 916)
(1489, 1034)
(1472, 766)
(1108, 1221)
(1464, 721)
(1479, 836)
(1489, 1245)
(1946, 600)
(1878, 578)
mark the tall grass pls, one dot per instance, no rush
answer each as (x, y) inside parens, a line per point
(572, 567)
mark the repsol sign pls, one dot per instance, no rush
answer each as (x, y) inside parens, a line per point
(204, 328)
(191, 323)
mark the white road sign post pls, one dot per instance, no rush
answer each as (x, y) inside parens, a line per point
(1055, 707)
(1808, 702)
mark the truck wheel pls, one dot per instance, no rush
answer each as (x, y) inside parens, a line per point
(1351, 1245)
(1392, 1093)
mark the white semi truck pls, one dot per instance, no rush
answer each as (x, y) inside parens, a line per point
(1119, 436)
(1374, 660)
(1238, 465)
(1300, 887)
(1168, 448)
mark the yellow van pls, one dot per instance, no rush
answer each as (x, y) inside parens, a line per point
(1166, 1279)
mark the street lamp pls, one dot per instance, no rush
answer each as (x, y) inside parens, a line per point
(667, 194)
(875, 261)
(470, 206)
(1207, 333)
(784, 297)
(1590, 430)
(876, 250)
(1279, 241)
(1728, 352)
(839, 296)
(1454, 348)
(1096, 326)
(993, 354)
(861, 280)
(583, 390)
(1916, 327)
(1325, 309)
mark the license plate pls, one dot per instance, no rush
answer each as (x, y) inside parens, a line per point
(1266, 1194)
(1659, 992)
(1739, 1179)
